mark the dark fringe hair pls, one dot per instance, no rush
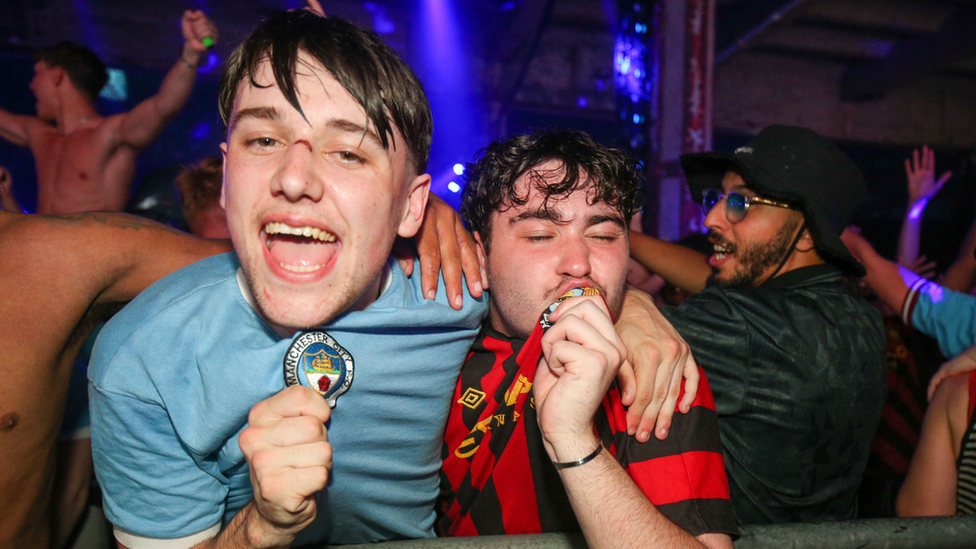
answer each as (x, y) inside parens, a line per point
(84, 68)
(373, 74)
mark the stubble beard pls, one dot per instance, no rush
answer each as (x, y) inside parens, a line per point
(756, 258)
(345, 299)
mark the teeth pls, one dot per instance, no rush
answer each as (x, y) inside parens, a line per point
(307, 232)
(301, 268)
(720, 249)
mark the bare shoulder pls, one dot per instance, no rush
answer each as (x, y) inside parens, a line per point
(119, 224)
(111, 126)
(66, 229)
(36, 128)
(90, 234)
(113, 221)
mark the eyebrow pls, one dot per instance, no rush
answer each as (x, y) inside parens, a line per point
(337, 124)
(549, 215)
(598, 219)
(259, 113)
(347, 126)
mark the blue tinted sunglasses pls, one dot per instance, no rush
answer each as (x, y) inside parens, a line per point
(736, 204)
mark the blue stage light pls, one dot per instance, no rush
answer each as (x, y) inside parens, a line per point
(201, 131)
(454, 187)
(117, 88)
(213, 62)
(458, 169)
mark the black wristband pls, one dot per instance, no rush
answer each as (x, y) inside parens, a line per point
(577, 463)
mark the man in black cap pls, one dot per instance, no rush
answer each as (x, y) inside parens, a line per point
(796, 359)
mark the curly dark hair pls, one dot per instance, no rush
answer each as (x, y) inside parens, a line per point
(84, 68)
(491, 180)
(373, 74)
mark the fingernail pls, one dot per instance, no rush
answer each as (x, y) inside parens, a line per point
(663, 432)
(477, 287)
(457, 301)
(431, 294)
(631, 431)
(643, 436)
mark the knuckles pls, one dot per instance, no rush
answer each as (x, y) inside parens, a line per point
(307, 428)
(249, 440)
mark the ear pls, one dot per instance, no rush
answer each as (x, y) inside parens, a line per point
(805, 244)
(414, 206)
(58, 75)
(223, 185)
(482, 256)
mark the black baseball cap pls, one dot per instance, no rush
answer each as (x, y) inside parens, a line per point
(799, 166)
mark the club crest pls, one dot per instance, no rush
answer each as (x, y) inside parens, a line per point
(316, 360)
(575, 292)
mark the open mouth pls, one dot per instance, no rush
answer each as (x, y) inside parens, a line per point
(721, 250)
(302, 249)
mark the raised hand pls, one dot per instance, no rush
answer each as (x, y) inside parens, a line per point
(922, 267)
(287, 449)
(196, 26)
(920, 171)
(315, 7)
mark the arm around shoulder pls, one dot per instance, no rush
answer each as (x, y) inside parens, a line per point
(683, 267)
(152, 251)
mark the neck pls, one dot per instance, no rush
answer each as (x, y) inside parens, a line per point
(75, 114)
(797, 260)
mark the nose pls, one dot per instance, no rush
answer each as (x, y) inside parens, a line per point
(716, 217)
(297, 177)
(574, 258)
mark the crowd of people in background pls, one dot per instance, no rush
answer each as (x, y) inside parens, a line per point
(296, 358)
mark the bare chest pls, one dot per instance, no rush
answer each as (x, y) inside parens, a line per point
(81, 171)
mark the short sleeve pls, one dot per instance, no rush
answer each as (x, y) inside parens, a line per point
(948, 316)
(151, 485)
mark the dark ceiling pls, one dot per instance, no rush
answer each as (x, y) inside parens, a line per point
(884, 43)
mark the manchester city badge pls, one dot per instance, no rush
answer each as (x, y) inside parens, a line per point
(575, 292)
(316, 360)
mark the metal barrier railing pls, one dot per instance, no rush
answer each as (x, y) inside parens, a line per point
(889, 533)
(893, 533)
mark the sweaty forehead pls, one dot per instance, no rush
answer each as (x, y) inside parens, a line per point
(317, 90)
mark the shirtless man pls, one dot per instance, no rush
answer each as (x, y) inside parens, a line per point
(84, 161)
(59, 276)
